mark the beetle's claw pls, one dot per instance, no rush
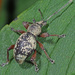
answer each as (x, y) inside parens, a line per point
(4, 64)
(36, 69)
(53, 61)
(63, 35)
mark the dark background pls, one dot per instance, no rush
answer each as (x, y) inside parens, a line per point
(10, 9)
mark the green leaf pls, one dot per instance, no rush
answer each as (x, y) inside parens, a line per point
(22, 5)
(61, 50)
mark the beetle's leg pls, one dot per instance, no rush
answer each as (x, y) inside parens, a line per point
(11, 47)
(33, 61)
(18, 31)
(47, 35)
(41, 14)
(26, 24)
(42, 47)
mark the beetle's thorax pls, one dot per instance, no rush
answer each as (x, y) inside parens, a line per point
(35, 28)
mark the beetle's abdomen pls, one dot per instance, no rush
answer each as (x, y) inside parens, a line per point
(24, 46)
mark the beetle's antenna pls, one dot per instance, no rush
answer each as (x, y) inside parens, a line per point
(40, 14)
(70, 1)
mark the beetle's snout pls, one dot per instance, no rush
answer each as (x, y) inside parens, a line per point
(44, 23)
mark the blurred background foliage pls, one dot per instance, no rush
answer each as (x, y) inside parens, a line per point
(9, 9)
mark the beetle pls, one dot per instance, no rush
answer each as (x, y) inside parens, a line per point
(26, 43)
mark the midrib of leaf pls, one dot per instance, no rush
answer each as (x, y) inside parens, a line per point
(68, 24)
(69, 63)
(56, 45)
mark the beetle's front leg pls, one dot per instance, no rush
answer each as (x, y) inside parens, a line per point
(33, 61)
(11, 47)
(47, 35)
(18, 31)
(26, 24)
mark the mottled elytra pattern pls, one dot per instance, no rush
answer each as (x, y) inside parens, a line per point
(24, 46)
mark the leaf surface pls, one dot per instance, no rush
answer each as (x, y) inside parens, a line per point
(61, 50)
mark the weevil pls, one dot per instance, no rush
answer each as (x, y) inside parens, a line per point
(26, 43)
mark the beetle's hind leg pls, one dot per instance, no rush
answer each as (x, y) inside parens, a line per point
(11, 47)
(33, 61)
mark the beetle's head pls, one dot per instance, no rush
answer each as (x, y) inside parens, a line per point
(42, 23)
